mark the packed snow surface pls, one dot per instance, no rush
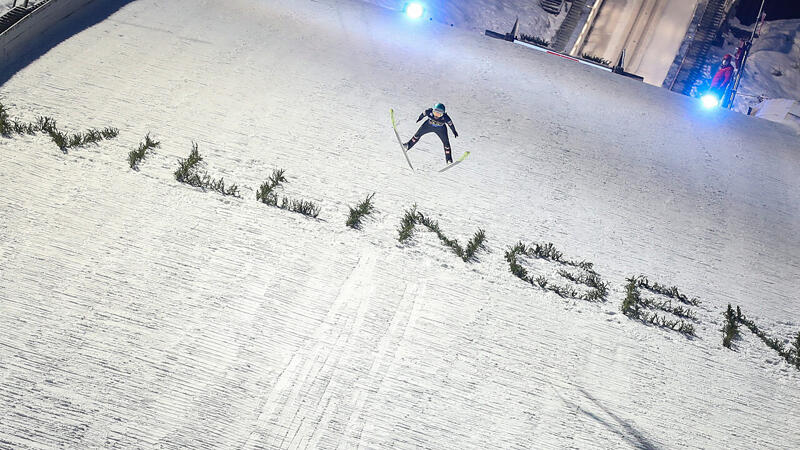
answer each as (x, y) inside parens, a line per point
(139, 312)
(480, 15)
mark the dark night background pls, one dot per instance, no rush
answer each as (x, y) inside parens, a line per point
(747, 10)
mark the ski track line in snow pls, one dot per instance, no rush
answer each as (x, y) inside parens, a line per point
(307, 402)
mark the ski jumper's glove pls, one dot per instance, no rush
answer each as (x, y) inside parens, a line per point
(425, 113)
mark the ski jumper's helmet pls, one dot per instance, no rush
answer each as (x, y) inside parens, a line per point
(438, 107)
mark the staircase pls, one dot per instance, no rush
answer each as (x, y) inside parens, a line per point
(552, 6)
(16, 14)
(11, 17)
(567, 27)
(692, 67)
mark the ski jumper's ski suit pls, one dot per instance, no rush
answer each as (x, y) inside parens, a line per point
(435, 125)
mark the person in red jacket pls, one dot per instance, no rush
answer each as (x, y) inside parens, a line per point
(723, 77)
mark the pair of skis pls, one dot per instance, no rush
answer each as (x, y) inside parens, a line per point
(405, 152)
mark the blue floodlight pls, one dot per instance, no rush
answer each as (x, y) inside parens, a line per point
(414, 10)
(710, 101)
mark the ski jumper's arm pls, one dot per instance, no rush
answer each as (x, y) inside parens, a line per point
(427, 111)
(452, 127)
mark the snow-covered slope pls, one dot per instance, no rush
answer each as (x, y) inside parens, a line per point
(496, 15)
(774, 63)
(139, 312)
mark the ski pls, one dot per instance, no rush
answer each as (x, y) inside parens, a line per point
(399, 141)
(456, 162)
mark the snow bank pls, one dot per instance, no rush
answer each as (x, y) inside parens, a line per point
(139, 312)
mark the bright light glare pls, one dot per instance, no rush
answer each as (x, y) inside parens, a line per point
(710, 101)
(414, 10)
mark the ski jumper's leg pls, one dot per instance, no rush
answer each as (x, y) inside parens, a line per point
(442, 133)
(423, 130)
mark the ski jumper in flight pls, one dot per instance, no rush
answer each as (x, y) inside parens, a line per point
(435, 123)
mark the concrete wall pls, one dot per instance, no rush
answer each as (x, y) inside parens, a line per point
(650, 31)
(21, 37)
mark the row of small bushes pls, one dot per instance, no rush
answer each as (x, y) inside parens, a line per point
(671, 291)
(636, 307)
(136, 156)
(44, 124)
(597, 59)
(730, 332)
(268, 195)
(598, 290)
(545, 43)
(190, 172)
(413, 217)
(534, 40)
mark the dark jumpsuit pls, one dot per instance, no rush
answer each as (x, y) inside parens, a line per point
(434, 125)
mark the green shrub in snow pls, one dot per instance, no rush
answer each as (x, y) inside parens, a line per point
(59, 138)
(671, 292)
(136, 156)
(268, 195)
(189, 172)
(65, 141)
(5, 124)
(730, 330)
(187, 168)
(407, 224)
(304, 207)
(91, 136)
(796, 349)
(630, 305)
(356, 214)
(23, 128)
(8, 126)
(48, 125)
(413, 217)
(773, 343)
(598, 290)
(635, 307)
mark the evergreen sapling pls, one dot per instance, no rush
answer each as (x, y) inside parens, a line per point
(731, 328)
